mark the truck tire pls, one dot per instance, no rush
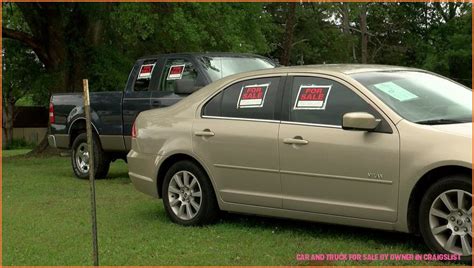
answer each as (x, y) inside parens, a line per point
(80, 159)
(188, 195)
(445, 216)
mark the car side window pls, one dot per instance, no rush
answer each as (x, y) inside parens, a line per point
(323, 101)
(143, 78)
(250, 99)
(177, 69)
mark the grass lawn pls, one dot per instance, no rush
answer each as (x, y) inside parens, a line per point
(46, 214)
(8, 153)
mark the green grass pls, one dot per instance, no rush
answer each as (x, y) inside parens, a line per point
(16, 152)
(46, 214)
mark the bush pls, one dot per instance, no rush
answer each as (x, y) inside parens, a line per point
(19, 144)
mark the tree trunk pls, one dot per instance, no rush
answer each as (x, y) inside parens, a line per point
(8, 110)
(346, 30)
(363, 32)
(41, 147)
(289, 32)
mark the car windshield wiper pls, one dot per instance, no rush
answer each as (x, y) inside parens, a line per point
(440, 121)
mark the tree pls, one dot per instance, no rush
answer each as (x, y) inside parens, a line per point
(17, 59)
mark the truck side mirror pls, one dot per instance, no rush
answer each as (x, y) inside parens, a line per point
(359, 121)
(185, 86)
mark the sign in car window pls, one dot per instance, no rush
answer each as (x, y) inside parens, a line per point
(145, 71)
(176, 72)
(252, 96)
(312, 97)
(396, 91)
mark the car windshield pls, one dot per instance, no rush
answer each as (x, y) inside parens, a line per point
(420, 97)
(222, 66)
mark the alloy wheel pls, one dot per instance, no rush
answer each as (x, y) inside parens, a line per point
(451, 221)
(184, 195)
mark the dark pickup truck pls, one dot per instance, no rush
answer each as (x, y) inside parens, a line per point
(154, 82)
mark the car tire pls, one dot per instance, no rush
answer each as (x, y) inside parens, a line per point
(182, 183)
(79, 161)
(444, 219)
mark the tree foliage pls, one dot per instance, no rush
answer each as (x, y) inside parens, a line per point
(101, 41)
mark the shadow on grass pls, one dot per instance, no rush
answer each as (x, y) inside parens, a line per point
(374, 238)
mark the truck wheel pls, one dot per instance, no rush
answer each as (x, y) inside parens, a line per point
(445, 216)
(188, 196)
(80, 158)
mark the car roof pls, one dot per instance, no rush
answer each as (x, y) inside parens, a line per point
(356, 68)
(329, 69)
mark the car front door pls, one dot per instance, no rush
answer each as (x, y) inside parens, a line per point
(236, 137)
(328, 170)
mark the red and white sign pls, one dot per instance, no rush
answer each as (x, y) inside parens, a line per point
(252, 96)
(312, 97)
(175, 72)
(145, 71)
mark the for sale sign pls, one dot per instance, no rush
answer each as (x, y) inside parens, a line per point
(312, 97)
(145, 71)
(252, 96)
(176, 72)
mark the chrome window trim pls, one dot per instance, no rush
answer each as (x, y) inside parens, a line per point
(271, 121)
(240, 119)
(310, 124)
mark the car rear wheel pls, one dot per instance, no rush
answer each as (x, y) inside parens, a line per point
(188, 196)
(446, 216)
(80, 158)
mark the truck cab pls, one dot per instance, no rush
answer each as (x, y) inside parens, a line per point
(154, 82)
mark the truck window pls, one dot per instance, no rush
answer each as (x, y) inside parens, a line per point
(176, 69)
(142, 81)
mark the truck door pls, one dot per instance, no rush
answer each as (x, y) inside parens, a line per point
(136, 97)
(174, 69)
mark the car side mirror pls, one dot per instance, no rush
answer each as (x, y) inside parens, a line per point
(185, 86)
(359, 121)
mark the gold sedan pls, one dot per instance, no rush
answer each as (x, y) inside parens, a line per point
(365, 145)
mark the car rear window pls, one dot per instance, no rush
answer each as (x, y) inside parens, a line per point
(250, 99)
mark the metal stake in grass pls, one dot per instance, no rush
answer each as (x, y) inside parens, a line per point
(95, 249)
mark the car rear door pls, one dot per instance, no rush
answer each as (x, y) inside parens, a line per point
(328, 170)
(236, 136)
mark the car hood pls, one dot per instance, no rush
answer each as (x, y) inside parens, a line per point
(464, 129)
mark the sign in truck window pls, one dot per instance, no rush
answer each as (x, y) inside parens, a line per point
(312, 97)
(252, 96)
(145, 71)
(176, 72)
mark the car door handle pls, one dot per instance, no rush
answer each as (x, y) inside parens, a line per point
(156, 103)
(204, 133)
(296, 140)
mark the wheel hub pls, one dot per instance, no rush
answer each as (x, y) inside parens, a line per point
(82, 157)
(459, 222)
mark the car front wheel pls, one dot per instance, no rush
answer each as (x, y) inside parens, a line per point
(446, 216)
(188, 195)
